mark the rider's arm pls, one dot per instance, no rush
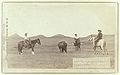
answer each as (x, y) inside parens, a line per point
(100, 36)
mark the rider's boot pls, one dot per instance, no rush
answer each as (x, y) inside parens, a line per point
(25, 43)
(29, 43)
(95, 45)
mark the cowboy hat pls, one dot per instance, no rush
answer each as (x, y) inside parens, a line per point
(99, 30)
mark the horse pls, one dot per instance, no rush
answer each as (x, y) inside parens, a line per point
(101, 44)
(62, 46)
(77, 44)
(22, 45)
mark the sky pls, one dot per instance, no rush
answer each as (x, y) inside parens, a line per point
(50, 19)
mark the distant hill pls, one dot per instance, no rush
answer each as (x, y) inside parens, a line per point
(39, 36)
(104, 36)
(15, 36)
(96, 35)
(60, 36)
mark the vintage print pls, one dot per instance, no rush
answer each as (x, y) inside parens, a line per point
(41, 37)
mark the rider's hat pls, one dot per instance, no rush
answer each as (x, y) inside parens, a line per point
(75, 34)
(91, 35)
(25, 34)
(99, 31)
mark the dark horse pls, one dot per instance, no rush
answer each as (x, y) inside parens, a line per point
(22, 45)
(62, 46)
(77, 43)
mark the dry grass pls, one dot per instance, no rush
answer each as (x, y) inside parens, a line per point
(48, 55)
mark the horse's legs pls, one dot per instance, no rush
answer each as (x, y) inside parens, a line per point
(105, 50)
(62, 50)
(94, 49)
(66, 49)
(79, 47)
(20, 49)
(21, 53)
(101, 48)
(33, 50)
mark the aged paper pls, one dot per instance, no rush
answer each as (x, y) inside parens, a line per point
(59, 37)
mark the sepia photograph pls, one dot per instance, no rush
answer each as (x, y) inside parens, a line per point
(60, 37)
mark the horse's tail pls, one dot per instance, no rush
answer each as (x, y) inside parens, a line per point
(104, 44)
(18, 47)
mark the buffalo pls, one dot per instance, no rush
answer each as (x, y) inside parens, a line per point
(62, 45)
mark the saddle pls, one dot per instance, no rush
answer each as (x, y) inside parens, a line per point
(96, 41)
(27, 43)
(77, 42)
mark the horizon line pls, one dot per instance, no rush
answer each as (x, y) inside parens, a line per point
(55, 35)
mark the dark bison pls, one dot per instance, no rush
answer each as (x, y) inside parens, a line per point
(62, 46)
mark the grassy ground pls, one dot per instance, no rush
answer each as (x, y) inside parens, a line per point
(48, 55)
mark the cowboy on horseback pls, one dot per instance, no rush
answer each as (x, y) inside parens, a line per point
(77, 40)
(99, 37)
(27, 41)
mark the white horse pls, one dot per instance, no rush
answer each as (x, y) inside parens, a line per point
(101, 44)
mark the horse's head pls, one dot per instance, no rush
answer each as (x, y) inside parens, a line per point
(38, 41)
(90, 38)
